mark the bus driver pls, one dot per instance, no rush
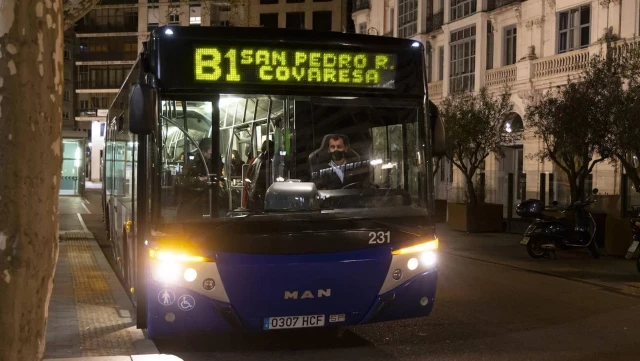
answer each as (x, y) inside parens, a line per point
(342, 171)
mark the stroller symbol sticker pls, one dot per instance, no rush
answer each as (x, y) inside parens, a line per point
(186, 303)
(166, 297)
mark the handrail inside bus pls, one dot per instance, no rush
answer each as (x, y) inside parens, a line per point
(190, 138)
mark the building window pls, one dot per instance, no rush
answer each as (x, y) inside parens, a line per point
(174, 18)
(295, 20)
(462, 8)
(102, 128)
(463, 60)
(362, 28)
(65, 114)
(510, 37)
(489, 45)
(195, 20)
(268, 2)
(84, 104)
(67, 55)
(322, 20)
(407, 18)
(573, 28)
(269, 20)
(441, 63)
(66, 95)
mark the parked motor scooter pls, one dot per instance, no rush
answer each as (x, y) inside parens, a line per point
(634, 249)
(548, 234)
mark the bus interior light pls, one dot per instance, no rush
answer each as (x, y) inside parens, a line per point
(418, 248)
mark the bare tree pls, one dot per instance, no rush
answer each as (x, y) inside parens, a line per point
(31, 85)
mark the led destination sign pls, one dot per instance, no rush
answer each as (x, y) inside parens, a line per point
(260, 65)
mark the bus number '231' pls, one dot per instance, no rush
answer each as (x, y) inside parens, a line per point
(379, 237)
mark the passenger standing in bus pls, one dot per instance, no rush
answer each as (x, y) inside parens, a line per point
(195, 196)
(255, 186)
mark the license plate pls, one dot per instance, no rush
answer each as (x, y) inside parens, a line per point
(278, 323)
(525, 241)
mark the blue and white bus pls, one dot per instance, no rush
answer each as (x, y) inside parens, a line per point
(264, 179)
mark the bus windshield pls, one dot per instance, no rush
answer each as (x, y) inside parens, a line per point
(353, 156)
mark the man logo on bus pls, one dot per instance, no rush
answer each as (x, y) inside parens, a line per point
(293, 295)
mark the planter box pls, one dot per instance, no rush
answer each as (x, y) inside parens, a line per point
(484, 217)
(441, 210)
(617, 238)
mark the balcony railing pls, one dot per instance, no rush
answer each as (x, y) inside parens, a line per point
(89, 112)
(494, 4)
(561, 63)
(435, 89)
(118, 2)
(504, 75)
(110, 28)
(111, 56)
(622, 48)
(97, 84)
(435, 21)
(361, 5)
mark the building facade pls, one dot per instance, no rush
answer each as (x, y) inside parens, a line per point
(318, 15)
(531, 45)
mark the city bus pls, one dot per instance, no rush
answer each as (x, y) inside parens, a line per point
(266, 179)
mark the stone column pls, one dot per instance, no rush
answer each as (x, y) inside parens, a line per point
(481, 50)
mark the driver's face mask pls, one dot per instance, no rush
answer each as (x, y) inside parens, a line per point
(337, 155)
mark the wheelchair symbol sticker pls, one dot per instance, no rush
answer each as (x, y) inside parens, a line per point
(166, 297)
(186, 303)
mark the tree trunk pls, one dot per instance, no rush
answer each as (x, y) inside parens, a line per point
(473, 197)
(31, 84)
(577, 188)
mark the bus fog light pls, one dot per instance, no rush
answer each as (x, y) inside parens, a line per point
(168, 272)
(190, 275)
(429, 258)
(412, 264)
(170, 317)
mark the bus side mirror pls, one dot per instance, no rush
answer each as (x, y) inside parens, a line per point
(142, 109)
(438, 138)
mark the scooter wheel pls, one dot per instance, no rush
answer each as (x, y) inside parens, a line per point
(534, 250)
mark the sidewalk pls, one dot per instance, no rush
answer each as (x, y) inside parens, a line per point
(89, 312)
(612, 274)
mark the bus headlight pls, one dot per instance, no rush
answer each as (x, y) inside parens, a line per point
(190, 275)
(422, 247)
(425, 252)
(168, 266)
(169, 256)
(428, 258)
(168, 272)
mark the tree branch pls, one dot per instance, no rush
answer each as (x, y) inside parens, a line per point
(74, 10)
